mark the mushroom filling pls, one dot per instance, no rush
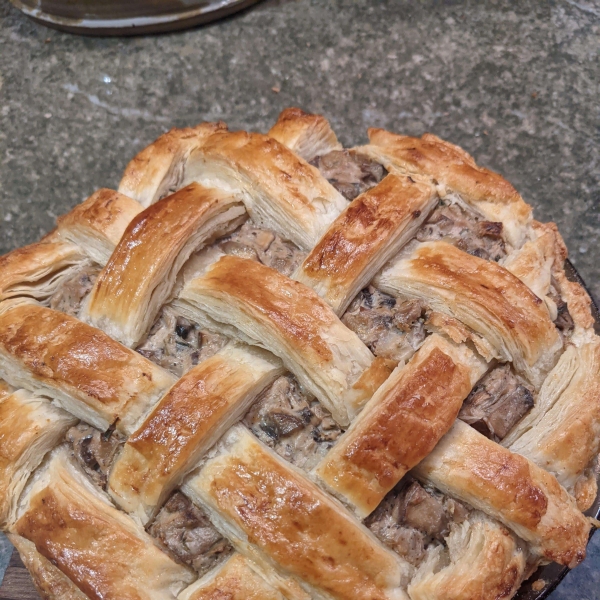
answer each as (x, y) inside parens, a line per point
(564, 321)
(177, 344)
(70, 295)
(296, 426)
(264, 246)
(388, 327)
(349, 172)
(411, 518)
(466, 229)
(94, 450)
(187, 534)
(497, 403)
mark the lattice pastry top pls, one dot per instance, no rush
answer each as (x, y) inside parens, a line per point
(269, 367)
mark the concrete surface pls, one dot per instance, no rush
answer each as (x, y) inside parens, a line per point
(516, 84)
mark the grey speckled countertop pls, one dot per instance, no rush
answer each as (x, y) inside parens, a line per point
(516, 84)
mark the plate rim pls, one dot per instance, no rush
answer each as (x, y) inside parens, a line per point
(202, 14)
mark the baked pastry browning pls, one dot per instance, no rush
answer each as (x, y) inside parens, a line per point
(50, 581)
(455, 170)
(483, 560)
(562, 433)
(307, 135)
(29, 428)
(87, 234)
(81, 368)
(234, 580)
(97, 224)
(512, 489)
(281, 191)
(158, 169)
(186, 422)
(248, 491)
(290, 320)
(273, 367)
(369, 232)
(36, 270)
(141, 273)
(400, 425)
(99, 548)
(485, 297)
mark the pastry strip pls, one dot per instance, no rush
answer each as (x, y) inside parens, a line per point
(95, 545)
(157, 170)
(50, 581)
(86, 372)
(285, 317)
(454, 169)
(90, 230)
(272, 513)
(401, 424)
(281, 191)
(181, 428)
(483, 561)
(141, 273)
(533, 262)
(307, 135)
(562, 431)
(37, 270)
(484, 296)
(510, 488)
(233, 580)
(29, 428)
(97, 224)
(367, 234)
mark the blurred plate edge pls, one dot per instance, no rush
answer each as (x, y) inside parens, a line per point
(205, 12)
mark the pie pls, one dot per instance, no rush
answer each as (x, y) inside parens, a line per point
(271, 367)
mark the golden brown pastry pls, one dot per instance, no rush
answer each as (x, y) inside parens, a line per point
(307, 135)
(186, 422)
(234, 580)
(248, 490)
(456, 171)
(562, 433)
(50, 581)
(401, 424)
(291, 321)
(89, 232)
(96, 546)
(512, 489)
(482, 295)
(29, 428)
(281, 191)
(361, 240)
(271, 367)
(97, 224)
(37, 270)
(483, 560)
(81, 368)
(157, 170)
(141, 273)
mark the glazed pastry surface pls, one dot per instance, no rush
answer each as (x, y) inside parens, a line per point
(272, 367)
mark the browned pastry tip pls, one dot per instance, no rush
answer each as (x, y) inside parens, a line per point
(149, 175)
(399, 426)
(234, 580)
(142, 270)
(364, 236)
(308, 135)
(451, 165)
(89, 373)
(105, 211)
